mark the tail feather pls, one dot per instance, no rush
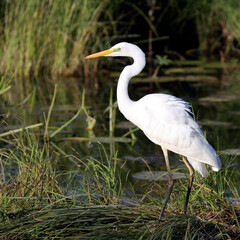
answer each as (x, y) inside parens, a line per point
(215, 169)
(198, 166)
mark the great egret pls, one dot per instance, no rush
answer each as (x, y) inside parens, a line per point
(166, 120)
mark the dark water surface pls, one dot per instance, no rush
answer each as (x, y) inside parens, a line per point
(216, 107)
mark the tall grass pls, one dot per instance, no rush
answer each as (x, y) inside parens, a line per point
(29, 169)
(32, 190)
(52, 37)
(97, 180)
(4, 84)
(94, 208)
(28, 174)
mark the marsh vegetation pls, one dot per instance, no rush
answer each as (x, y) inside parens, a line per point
(70, 164)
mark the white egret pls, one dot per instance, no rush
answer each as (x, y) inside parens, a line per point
(166, 120)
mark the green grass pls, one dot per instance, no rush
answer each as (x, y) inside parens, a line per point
(5, 84)
(29, 174)
(40, 200)
(109, 218)
(37, 202)
(52, 37)
(96, 181)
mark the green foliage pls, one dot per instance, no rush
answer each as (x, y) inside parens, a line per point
(4, 84)
(30, 190)
(75, 222)
(29, 175)
(162, 60)
(101, 181)
(95, 181)
(52, 37)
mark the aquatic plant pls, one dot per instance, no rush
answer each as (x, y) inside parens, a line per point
(137, 220)
(91, 200)
(28, 173)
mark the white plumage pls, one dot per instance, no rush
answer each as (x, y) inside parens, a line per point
(173, 128)
(166, 120)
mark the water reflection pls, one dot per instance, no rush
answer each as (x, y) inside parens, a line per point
(219, 118)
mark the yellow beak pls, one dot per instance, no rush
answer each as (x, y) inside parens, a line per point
(100, 54)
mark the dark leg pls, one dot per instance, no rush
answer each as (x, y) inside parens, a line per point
(191, 175)
(170, 185)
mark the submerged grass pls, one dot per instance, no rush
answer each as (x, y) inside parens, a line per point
(29, 174)
(35, 204)
(97, 181)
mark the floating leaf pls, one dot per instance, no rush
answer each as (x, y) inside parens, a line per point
(190, 70)
(220, 98)
(208, 122)
(186, 78)
(147, 159)
(158, 175)
(125, 125)
(98, 139)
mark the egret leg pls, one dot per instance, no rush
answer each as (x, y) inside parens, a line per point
(170, 184)
(191, 175)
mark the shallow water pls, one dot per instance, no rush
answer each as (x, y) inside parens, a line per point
(216, 109)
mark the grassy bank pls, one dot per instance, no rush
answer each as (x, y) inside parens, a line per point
(40, 199)
(92, 200)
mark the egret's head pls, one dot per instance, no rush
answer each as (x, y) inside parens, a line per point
(122, 49)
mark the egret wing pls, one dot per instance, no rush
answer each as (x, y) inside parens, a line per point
(167, 121)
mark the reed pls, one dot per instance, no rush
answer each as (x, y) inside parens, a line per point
(52, 37)
(30, 176)
(5, 85)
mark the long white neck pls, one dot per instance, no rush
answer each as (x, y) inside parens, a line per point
(125, 104)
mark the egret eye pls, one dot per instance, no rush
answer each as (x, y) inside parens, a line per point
(117, 49)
